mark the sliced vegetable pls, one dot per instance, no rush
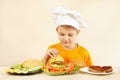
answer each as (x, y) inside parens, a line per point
(15, 71)
(34, 69)
(54, 73)
(18, 69)
(69, 68)
(17, 66)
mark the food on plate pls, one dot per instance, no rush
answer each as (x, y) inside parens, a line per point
(57, 58)
(30, 63)
(69, 67)
(100, 69)
(58, 66)
(28, 66)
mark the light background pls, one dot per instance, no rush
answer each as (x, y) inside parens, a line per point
(27, 28)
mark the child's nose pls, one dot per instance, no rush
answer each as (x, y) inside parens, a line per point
(66, 38)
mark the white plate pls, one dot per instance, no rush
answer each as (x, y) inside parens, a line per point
(101, 73)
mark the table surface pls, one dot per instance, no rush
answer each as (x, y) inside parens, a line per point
(76, 76)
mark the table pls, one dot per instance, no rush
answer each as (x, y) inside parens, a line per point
(44, 76)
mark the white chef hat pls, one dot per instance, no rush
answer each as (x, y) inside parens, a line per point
(68, 17)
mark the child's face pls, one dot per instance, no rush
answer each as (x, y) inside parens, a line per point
(67, 35)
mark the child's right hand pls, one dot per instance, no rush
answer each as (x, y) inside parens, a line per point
(52, 52)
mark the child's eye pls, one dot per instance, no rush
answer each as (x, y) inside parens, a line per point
(61, 34)
(70, 35)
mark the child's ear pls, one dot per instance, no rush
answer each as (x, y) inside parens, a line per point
(78, 31)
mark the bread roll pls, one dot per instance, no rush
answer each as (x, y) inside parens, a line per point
(30, 63)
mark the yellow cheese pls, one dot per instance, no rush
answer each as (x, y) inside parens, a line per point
(57, 58)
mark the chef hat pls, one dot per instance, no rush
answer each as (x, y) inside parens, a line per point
(68, 17)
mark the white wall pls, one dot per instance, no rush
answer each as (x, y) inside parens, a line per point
(27, 29)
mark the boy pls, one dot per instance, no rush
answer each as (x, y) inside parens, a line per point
(68, 24)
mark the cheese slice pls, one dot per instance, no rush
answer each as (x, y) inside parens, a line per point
(57, 58)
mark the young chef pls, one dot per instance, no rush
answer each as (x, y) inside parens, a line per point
(68, 26)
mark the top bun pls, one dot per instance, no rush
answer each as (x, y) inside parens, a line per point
(57, 58)
(31, 63)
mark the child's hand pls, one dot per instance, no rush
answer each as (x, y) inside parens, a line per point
(52, 52)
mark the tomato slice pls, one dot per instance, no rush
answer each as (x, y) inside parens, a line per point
(69, 66)
(50, 68)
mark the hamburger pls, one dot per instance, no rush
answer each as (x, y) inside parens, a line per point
(54, 59)
(57, 64)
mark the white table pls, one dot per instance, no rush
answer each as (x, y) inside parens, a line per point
(44, 76)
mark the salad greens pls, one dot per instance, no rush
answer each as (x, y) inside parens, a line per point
(17, 68)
